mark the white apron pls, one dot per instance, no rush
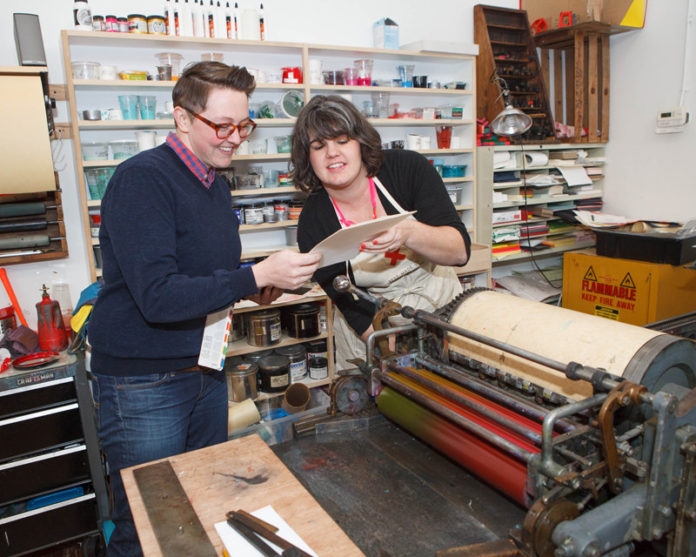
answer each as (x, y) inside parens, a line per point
(404, 277)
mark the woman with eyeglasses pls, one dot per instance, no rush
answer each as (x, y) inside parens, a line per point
(337, 158)
(171, 252)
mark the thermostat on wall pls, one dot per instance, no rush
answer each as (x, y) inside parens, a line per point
(672, 121)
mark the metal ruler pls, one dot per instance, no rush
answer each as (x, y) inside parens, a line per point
(174, 522)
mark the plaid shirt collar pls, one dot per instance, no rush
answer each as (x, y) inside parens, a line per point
(193, 163)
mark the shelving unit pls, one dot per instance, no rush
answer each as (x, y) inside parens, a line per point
(134, 51)
(568, 238)
(507, 52)
(241, 347)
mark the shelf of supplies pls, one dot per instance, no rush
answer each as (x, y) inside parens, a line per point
(97, 84)
(311, 293)
(307, 381)
(241, 347)
(267, 226)
(464, 207)
(400, 122)
(457, 180)
(541, 253)
(169, 123)
(392, 90)
(523, 222)
(263, 191)
(546, 199)
(479, 261)
(94, 203)
(548, 167)
(253, 254)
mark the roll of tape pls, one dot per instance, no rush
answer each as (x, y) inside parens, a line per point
(537, 159)
(241, 415)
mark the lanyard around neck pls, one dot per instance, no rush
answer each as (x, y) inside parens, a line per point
(373, 200)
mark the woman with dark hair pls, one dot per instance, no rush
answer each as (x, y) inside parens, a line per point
(337, 158)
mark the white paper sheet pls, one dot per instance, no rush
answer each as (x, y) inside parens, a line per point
(237, 545)
(344, 244)
(575, 176)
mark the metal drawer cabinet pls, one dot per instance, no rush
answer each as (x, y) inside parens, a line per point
(52, 485)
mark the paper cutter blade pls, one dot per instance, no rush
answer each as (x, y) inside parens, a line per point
(174, 522)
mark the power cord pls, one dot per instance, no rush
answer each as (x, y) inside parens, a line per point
(526, 220)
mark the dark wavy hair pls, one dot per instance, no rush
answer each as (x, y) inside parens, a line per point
(329, 117)
(193, 86)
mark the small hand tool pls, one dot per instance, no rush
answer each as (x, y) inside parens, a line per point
(257, 527)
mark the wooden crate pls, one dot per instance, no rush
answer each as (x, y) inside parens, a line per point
(578, 56)
(506, 51)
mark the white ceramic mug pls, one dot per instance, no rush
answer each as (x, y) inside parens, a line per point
(413, 141)
(146, 140)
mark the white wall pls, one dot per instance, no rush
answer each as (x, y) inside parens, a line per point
(647, 173)
(645, 72)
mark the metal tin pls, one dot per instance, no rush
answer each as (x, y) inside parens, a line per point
(274, 373)
(253, 215)
(256, 356)
(318, 368)
(111, 24)
(156, 25)
(137, 23)
(98, 23)
(241, 381)
(297, 354)
(269, 213)
(263, 328)
(123, 26)
(281, 210)
(303, 321)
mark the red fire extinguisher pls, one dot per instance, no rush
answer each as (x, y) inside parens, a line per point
(52, 336)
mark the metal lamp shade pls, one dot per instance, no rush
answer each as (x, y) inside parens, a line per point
(511, 121)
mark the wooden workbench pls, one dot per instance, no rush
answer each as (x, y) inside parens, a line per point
(205, 476)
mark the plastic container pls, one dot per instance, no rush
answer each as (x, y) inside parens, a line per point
(85, 70)
(147, 105)
(172, 59)
(454, 192)
(282, 143)
(123, 148)
(137, 23)
(291, 235)
(95, 151)
(129, 106)
(97, 180)
(453, 170)
(363, 71)
(156, 25)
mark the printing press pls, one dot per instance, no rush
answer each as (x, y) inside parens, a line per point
(588, 423)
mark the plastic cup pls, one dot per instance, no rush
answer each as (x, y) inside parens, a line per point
(420, 81)
(164, 73)
(381, 104)
(129, 106)
(282, 143)
(406, 74)
(363, 71)
(148, 104)
(444, 136)
(350, 76)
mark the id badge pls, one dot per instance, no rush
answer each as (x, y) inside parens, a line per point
(215, 337)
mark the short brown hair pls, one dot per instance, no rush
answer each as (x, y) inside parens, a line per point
(328, 117)
(193, 86)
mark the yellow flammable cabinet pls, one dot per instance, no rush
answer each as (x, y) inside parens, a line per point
(627, 290)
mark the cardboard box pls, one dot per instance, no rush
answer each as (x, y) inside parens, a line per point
(624, 13)
(627, 290)
(385, 33)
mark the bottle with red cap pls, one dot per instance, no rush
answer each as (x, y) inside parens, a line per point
(52, 336)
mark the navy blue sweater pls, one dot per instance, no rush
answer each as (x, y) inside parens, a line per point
(170, 250)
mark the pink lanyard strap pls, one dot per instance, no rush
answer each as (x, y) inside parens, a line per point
(373, 199)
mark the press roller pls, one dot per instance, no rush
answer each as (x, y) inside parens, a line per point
(589, 423)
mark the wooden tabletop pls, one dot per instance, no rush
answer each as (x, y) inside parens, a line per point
(206, 477)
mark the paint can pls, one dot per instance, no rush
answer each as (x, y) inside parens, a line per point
(297, 354)
(263, 328)
(274, 373)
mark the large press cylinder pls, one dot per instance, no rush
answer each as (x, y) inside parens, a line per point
(495, 441)
(637, 354)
